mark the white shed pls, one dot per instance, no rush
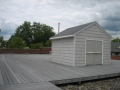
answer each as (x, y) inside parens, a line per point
(87, 44)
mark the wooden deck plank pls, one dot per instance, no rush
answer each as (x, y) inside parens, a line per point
(32, 78)
(51, 72)
(31, 75)
(17, 75)
(20, 73)
(20, 78)
(10, 74)
(28, 68)
(7, 73)
(105, 69)
(6, 82)
(64, 72)
(41, 75)
(31, 86)
(69, 70)
(79, 70)
(25, 73)
(1, 78)
(16, 68)
(13, 76)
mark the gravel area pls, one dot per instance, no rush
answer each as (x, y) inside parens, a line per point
(108, 84)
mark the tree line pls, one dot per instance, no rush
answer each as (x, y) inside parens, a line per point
(116, 39)
(32, 36)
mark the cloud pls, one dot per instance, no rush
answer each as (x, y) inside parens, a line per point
(114, 33)
(68, 12)
(110, 25)
(7, 28)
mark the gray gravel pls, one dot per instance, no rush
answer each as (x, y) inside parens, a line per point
(109, 84)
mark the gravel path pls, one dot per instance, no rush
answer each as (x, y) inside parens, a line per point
(108, 84)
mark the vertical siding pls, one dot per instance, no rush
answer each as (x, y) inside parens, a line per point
(62, 51)
(92, 32)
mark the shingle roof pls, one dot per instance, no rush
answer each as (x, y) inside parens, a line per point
(115, 46)
(72, 30)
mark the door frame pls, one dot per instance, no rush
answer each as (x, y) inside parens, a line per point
(93, 40)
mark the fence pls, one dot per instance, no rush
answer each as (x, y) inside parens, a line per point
(115, 57)
(44, 50)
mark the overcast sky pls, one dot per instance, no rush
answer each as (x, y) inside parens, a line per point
(68, 12)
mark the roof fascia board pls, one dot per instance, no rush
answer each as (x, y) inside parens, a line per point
(62, 37)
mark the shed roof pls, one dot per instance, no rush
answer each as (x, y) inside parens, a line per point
(115, 46)
(69, 32)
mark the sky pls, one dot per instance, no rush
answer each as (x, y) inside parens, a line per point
(68, 13)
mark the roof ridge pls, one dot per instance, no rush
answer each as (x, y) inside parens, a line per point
(82, 24)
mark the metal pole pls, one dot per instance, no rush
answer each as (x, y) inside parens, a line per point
(58, 27)
(0, 42)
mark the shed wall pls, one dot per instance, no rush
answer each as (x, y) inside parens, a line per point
(93, 32)
(62, 51)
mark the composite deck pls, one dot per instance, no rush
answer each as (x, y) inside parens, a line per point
(23, 71)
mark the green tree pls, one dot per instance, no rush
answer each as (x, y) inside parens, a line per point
(48, 43)
(37, 45)
(26, 48)
(116, 39)
(15, 42)
(2, 42)
(35, 33)
(24, 31)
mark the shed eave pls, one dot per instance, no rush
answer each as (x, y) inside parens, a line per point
(61, 37)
